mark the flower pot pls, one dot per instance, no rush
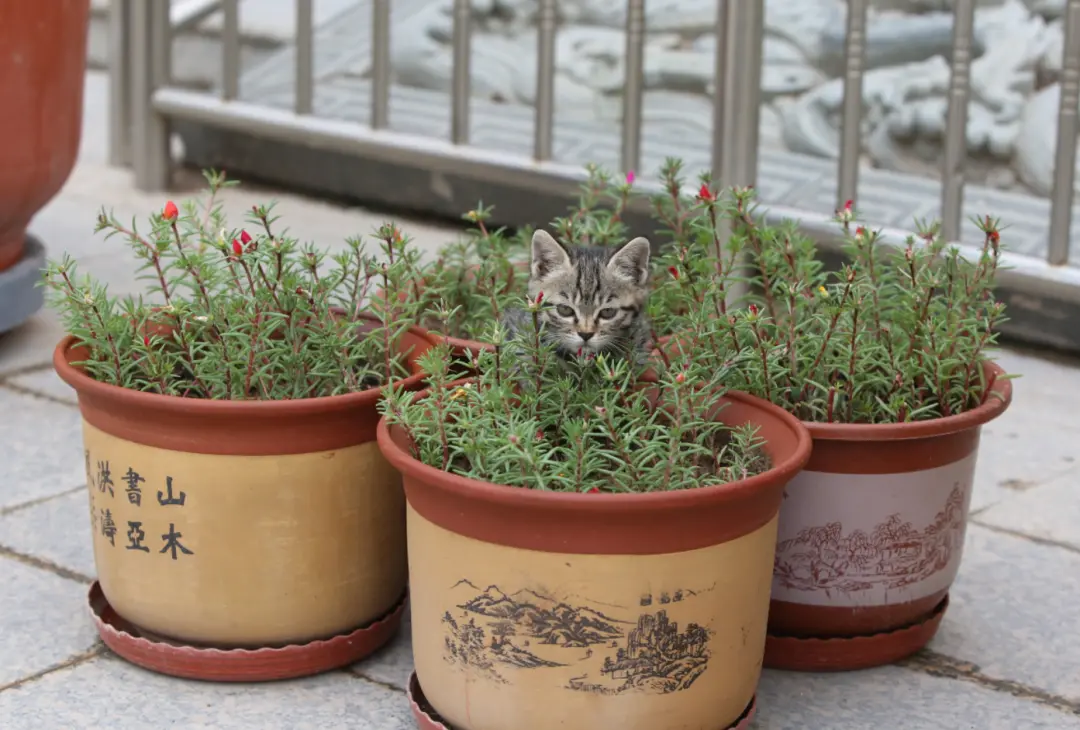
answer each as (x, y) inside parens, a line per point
(533, 610)
(242, 524)
(41, 93)
(870, 539)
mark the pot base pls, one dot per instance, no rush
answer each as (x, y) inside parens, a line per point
(854, 652)
(428, 719)
(20, 295)
(238, 665)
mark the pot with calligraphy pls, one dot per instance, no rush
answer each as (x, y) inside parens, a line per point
(870, 538)
(242, 540)
(534, 609)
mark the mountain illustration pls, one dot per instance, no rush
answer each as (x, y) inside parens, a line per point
(541, 617)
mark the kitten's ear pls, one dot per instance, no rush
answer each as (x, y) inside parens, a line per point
(548, 255)
(631, 261)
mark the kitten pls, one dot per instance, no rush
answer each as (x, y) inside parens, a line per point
(594, 298)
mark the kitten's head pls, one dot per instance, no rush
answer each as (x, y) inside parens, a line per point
(595, 294)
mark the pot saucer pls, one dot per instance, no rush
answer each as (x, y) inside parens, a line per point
(841, 654)
(176, 659)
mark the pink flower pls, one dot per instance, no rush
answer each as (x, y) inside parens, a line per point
(680, 378)
(170, 211)
(630, 178)
(513, 439)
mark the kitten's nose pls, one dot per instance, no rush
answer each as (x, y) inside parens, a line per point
(585, 336)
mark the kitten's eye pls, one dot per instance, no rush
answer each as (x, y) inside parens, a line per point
(564, 311)
(607, 313)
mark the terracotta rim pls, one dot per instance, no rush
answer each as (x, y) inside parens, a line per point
(240, 665)
(855, 652)
(608, 524)
(302, 425)
(426, 719)
(985, 413)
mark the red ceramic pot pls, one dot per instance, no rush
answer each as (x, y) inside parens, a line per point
(41, 93)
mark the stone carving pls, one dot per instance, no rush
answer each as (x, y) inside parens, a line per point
(1011, 116)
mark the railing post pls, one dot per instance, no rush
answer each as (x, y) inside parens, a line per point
(119, 83)
(151, 45)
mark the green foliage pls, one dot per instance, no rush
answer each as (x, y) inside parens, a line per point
(893, 336)
(238, 314)
(531, 419)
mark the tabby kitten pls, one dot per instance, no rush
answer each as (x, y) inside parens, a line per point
(594, 298)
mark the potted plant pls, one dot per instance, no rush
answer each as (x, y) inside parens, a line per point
(245, 524)
(887, 363)
(41, 90)
(587, 536)
(473, 281)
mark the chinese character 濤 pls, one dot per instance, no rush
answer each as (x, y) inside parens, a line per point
(135, 536)
(133, 492)
(104, 478)
(108, 527)
(167, 497)
(172, 542)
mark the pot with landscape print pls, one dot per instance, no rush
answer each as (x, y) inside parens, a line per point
(245, 524)
(886, 361)
(562, 576)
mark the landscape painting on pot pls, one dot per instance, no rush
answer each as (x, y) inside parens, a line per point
(885, 361)
(238, 499)
(591, 539)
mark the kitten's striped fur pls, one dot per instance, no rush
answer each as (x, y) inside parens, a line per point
(594, 297)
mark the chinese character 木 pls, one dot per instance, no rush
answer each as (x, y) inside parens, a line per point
(135, 536)
(104, 478)
(108, 527)
(133, 492)
(170, 499)
(172, 542)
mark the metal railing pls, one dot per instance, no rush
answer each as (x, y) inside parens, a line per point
(145, 102)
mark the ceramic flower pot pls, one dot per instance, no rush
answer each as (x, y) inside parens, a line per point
(533, 610)
(242, 524)
(870, 539)
(41, 93)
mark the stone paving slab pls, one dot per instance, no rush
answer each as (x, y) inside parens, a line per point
(40, 448)
(895, 698)
(1049, 512)
(44, 382)
(108, 693)
(1038, 438)
(56, 530)
(1013, 613)
(43, 622)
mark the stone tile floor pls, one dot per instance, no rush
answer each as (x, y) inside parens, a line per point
(1007, 654)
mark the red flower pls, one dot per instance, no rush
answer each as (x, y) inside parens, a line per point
(146, 340)
(245, 238)
(753, 309)
(236, 247)
(539, 434)
(847, 205)
(513, 439)
(170, 211)
(705, 194)
(539, 297)
(860, 231)
(995, 237)
(674, 272)
(594, 490)
(680, 378)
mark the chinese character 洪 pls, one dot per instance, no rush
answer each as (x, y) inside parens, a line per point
(104, 478)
